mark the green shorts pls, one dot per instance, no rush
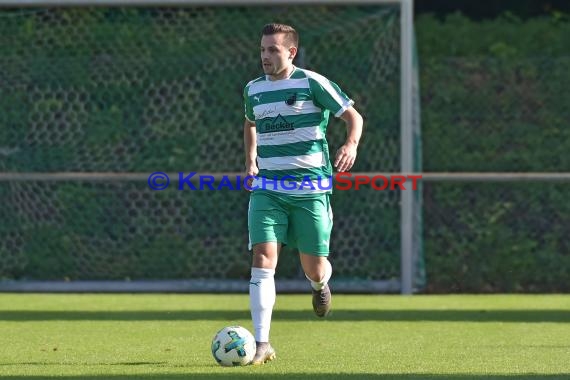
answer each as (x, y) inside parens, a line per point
(303, 222)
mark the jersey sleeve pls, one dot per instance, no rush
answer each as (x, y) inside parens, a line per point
(328, 95)
(248, 109)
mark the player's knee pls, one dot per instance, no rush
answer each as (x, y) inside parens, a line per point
(317, 269)
(316, 274)
(263, 261)
(317, 277)
(323, 271)
(264, 258)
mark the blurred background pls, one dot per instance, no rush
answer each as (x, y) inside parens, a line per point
(492, 101)
(137, 90)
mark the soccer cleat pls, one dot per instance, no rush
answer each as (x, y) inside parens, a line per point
(322, 301)
(263, 353)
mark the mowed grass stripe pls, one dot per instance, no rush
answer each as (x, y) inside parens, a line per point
(377, 337)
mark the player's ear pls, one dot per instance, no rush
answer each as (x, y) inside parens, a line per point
(292, 52)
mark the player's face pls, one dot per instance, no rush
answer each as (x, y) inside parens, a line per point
(276, 55)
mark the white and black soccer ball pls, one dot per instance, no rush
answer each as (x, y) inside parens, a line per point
(233, 346)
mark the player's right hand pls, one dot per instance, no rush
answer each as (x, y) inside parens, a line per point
(250, 171)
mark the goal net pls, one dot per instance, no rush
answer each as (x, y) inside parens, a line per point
(145, 89)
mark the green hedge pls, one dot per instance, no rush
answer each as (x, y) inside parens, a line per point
(507, 36)
(495, 98)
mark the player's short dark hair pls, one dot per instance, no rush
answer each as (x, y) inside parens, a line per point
(291, 34)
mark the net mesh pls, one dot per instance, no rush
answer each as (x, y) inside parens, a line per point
(160, 89)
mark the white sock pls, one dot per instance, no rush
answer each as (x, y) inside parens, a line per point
(261, 301)
(321, 284)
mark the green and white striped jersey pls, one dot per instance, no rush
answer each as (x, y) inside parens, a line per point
(291, 117)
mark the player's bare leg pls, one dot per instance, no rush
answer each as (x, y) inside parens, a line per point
(262, 297)
(318, 270)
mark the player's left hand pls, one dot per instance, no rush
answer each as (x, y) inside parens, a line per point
(345, 157)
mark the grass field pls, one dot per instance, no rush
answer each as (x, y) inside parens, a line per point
(168, 337)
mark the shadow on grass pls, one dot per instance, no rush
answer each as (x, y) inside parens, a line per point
(238, 374)
(80, 364)
(562, 316)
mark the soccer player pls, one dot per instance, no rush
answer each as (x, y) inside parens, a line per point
(287, 112)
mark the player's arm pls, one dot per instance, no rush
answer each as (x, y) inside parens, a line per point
(249, 138)
(346, 154)
(328, 95)
(250, 144)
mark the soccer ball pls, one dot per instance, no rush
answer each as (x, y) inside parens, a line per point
(233, 346)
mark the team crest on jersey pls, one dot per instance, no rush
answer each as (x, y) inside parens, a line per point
(278, 124)
(291, 99)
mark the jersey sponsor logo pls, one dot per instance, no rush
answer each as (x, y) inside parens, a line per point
(278, 124)
(266, 113)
